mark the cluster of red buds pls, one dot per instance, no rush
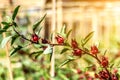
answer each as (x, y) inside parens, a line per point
(105, 75)
(104, 61)
(76, 50)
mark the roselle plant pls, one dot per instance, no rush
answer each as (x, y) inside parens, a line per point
(37, 45)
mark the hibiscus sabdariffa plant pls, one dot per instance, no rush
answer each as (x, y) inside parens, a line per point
(45, 46)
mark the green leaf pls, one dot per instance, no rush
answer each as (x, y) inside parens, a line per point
(39, 31)
(105, 52)
(38, 23)
(6, 27)
(2, 30)
(37, 52)
(51, 56)
(87, 38)
(14, 37)
(4, 41)
(5, 23)
(15, 12)
(64, 50)
(15, 50)
(70, 58)
(63, 30)
(68, 33)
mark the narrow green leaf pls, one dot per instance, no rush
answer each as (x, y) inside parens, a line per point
(39, 53)
(51, 56)
(87, 38)
(4, 41)
(6, 27)
(14, 37)
(105, 52)
(5, 23)
(15, 50)
(111, 66)
(33, 53)
(70, 58)
(65, 62)
(63, 31)
(2, 30)
(36, 54)
(39, 31)
(69, 33)
(38, 23)
(15, 12)
(64, 50)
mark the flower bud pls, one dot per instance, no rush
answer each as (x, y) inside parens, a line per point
(59, 39)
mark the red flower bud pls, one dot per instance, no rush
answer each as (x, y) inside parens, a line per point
(115, 71)
(104, 62)
(94, 50)
(79, 71)
(59, 39)
(96, 75)
(74, 44)
(103, 74)
(114, 77)
(44, 41)
(77, 52)
(35, 38)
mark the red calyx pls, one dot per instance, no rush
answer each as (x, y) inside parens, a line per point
(103, 74)
(104, 62)
(77, 52)
(44, 41)
(94, 50)
(59, 39)
(74, 44)
(114, 77)
(35, 38)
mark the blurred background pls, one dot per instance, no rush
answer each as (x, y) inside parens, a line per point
(82, 16)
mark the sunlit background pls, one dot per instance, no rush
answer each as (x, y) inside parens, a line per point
(82, 16)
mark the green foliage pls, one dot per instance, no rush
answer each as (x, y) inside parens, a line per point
(15, 12)
(2, 30)
(38, 23)
(70, 58)
(4, 41)
(15, 50)
(14, 37)
(64, 50)
(63, 31)
(68, 33)
(36, 54)
(87, 38)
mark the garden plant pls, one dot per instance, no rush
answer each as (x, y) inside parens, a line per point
(32, 45)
